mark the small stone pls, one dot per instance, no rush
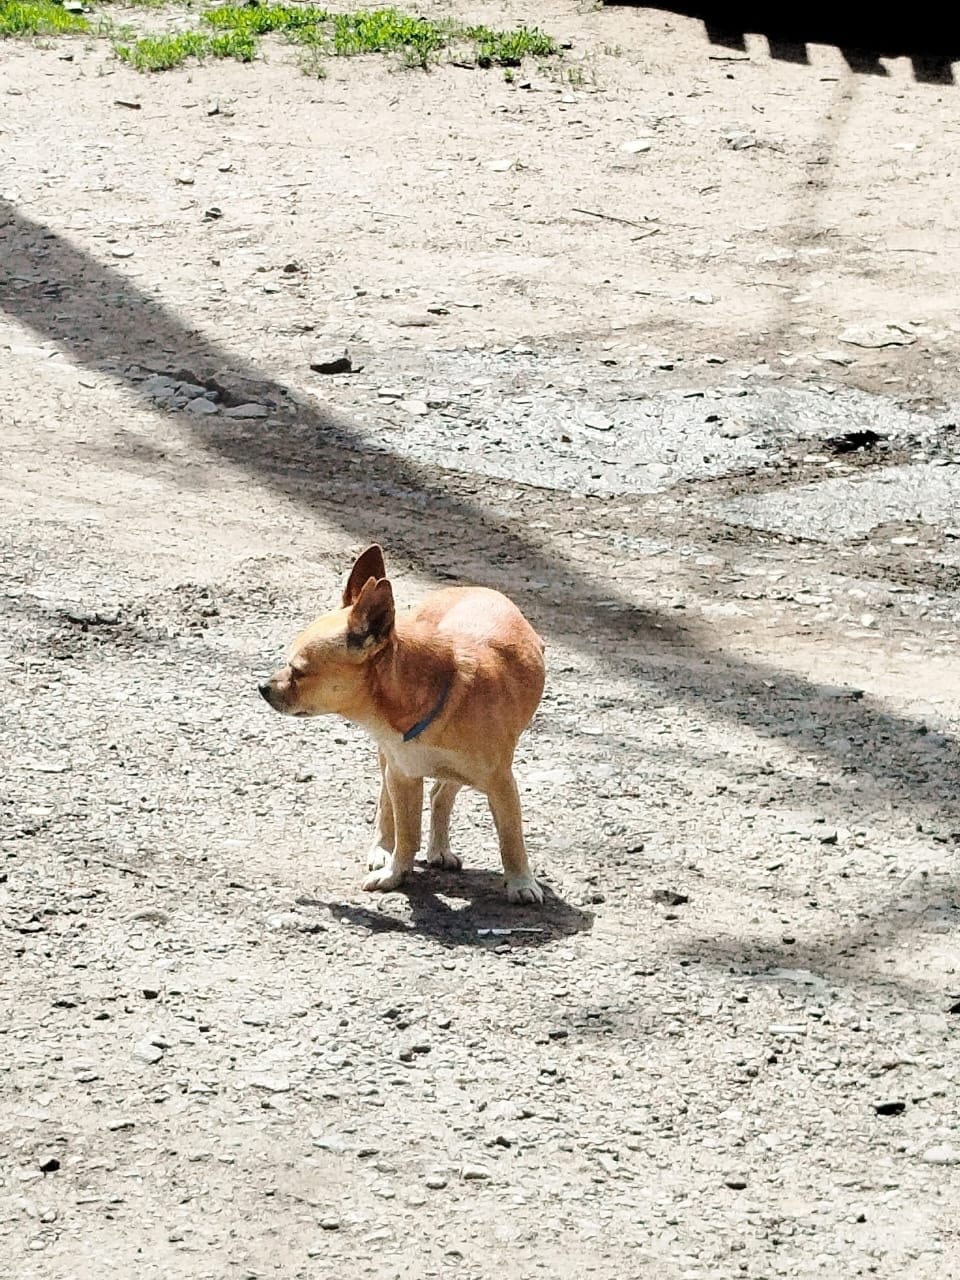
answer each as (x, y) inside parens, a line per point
(474, 1173)
(247, 411)
(500, 166)
(201, 405)
(941, 1154)
(734, 429)
(333, 364)
(889, 335)
(669, 898)
(185, 178)
(147, 1051)
(597, 422)
(269, 1082)
(735, 1181)
(329, 1224)
(637, 146)
(52, 1164)
(435, 1181)
(893, 1107)
(121, 253)
(416, 408)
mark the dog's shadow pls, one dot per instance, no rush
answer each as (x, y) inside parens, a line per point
(463, 909)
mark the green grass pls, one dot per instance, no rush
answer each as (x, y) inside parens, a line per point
(387, 31)
(161, 53)
(509, 48)
(258, 20)
(234, 31)
(38, 18)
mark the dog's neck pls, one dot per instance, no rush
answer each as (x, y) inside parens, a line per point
(409, 680)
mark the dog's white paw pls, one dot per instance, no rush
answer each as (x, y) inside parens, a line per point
(383, 879)
(444, 858)
(523, 889)
(377, 857)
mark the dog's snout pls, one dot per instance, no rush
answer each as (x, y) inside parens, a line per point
(266, 691)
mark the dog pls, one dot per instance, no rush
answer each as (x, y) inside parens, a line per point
(445, 691)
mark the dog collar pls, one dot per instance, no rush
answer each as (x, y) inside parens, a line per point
(428, 719)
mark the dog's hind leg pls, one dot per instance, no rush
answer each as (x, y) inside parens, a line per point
(442, 796)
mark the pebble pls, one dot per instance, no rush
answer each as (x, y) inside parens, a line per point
(201, 405)
(333, 364)
(637, 146)
(736, 1182)
(147, 1051)
(416, 408)
(270, 1082)
(941, 1154)
(435, 1181)
(247, 411)
(474, 1173)
(598, 422)
(890, 1107)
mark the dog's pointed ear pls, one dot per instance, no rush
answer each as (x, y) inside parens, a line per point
(371, 616)
(369, 564)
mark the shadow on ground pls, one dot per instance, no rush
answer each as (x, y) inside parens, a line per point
(926, 33)
(902, 922)
(464, 909)
(104, 321)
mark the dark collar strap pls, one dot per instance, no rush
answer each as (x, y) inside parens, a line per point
(428, 719)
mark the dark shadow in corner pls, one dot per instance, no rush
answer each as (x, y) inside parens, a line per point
(927, 33)
(486, 919)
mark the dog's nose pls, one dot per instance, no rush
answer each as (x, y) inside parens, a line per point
(265, 690)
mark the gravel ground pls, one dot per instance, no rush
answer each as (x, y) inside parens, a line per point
(726, 1045)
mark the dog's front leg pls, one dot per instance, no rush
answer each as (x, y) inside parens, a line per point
(504, 802)
(386, 837)
(406, 802)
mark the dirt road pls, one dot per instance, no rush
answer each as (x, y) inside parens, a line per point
(727, 1046)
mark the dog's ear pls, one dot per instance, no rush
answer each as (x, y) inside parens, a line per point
(371, 617)
(369, 564)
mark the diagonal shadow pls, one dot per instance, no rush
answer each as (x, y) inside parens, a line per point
(107, 323)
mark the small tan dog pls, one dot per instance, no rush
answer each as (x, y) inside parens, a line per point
(445, 690)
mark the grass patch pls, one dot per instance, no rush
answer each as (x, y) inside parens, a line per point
(388, 31)
(38, 18)
(509, 48)
(234, 31)
(259, 20)
(347, 35)
(161, 53)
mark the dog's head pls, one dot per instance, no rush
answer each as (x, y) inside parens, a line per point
(324, 671)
